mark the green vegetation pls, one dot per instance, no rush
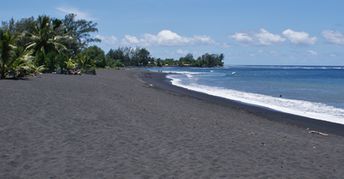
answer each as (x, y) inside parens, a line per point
(141, 57)
(206, 60)
(45, 44)
(14, 61)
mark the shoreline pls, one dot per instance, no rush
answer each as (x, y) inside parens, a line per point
(160, 80)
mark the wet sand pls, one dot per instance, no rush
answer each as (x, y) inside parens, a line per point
(117, 125)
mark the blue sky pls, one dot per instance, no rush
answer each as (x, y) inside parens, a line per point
(293, 32)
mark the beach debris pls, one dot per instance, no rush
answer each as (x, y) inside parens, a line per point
(252, 133)
(317, 132)
(150, 85)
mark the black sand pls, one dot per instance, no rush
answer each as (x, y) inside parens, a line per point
(113, 125)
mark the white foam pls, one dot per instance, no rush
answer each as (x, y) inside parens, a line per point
(194, 75)
(293, 67)
(298, 107)
(184, 72)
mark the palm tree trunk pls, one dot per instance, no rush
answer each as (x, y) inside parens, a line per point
(2, 71)
(2, 75)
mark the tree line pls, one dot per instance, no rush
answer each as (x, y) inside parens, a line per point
(127, 56)
(47, 44)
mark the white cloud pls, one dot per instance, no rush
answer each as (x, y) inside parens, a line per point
(299, 37)
(166, 38)
(242, 37)
(312, 52)
(129, 39)
(108, 40)
(182, 52)
(225, 45)
(79, 14)
(263, 37)
(202, 39)
(333, 55)
(267, 38)
(334, 37)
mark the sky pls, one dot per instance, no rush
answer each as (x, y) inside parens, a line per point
(247, 32)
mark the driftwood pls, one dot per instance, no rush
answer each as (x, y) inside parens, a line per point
(317, 132)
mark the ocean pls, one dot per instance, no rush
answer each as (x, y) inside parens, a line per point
(310, 91)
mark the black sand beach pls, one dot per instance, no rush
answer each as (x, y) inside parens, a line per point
(115, 125)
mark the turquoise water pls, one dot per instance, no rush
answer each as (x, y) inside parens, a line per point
(311, 91)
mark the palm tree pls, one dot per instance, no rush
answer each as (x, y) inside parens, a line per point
(85, 62)
(14, 61)
(7, 46)
(48, 36)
